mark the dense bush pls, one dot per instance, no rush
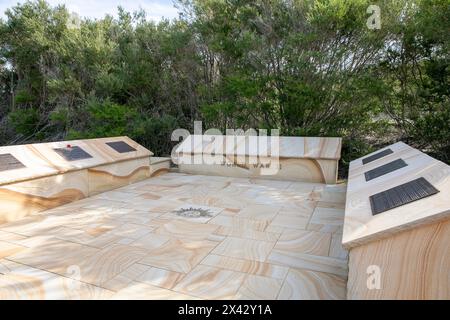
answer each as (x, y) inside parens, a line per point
(25, 121)
(305, 67)
(104, 119)
(155, 133)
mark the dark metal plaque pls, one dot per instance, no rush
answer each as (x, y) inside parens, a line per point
(376, 156)
(401, 195)
(9, 162)
(121, 146)
(385, 169)
(73, 153)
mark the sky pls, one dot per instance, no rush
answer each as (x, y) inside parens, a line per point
(156, 9)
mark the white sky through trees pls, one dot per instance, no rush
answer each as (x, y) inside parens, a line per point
(155, 9)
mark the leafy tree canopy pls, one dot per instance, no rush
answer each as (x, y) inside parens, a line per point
(305, 67)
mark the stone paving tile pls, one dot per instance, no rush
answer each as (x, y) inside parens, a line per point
(180, 236)
(312, 285)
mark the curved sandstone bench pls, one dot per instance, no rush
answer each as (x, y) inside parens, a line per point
(37, 177)
(401, 252)
(307, 159)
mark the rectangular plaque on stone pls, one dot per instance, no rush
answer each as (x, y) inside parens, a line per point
(401, 195)
(121, 146)
(385, 169)
(9, 162)
(73, 153)
(376, 156)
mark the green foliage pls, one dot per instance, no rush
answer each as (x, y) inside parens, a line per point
(23, 97)
(306, 67)
(432, 130)
(155, 132)
(60, 117)
(24, 121)
(105, 119)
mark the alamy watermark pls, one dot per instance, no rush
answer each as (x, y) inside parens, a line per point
(374, 277)
(73, 277)
(74, 21)
(374, 21)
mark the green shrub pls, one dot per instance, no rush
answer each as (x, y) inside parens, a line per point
(24, 121)
(23, 96)
(105, 119)
(155, 133)
(59, 117)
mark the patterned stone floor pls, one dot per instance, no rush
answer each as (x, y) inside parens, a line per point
(180, 236)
